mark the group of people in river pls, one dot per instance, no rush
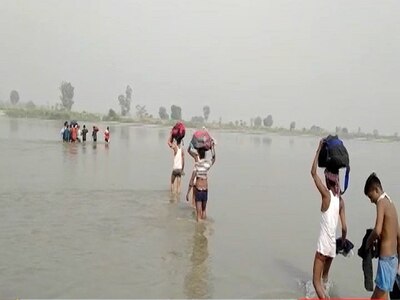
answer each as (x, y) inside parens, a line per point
(72, 133)
(384, 238)
(198, 183)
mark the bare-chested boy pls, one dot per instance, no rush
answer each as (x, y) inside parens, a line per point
(387, 230)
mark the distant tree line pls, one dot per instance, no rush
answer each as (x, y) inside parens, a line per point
(67, 92)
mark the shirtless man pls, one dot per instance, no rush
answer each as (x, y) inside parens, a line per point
(387, 230)
(199, 182)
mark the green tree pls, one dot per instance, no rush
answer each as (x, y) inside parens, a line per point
(141, 111)
(30, 105)
(67, 94)
(268, 121)
(292, 125)
(125, 101)
(206, 112)
(198, 120)
(14, 97)
(162, 112)
(176, 112)
(128, 98)
(257, 122)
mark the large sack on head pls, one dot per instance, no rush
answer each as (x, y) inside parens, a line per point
(178, 131)
(334, 156)
(201, 140)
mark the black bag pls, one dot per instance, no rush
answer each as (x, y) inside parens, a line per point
(334, 156)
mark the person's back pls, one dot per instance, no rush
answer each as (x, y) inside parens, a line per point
(79, 134)
(66, 134)
(107, 135)
(177, 158)
(94, 134)
(73, 133)
(84, 133)
(178, 164)
(332, 209)
(328, 227)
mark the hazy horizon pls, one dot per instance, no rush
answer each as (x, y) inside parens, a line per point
(313, 62)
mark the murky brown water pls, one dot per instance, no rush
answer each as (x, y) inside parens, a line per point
(91, 221)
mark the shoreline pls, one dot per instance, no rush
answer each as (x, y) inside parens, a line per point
(59, 115)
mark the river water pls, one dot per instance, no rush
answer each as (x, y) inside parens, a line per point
(97, 221)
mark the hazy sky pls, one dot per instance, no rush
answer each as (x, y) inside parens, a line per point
(315, 62)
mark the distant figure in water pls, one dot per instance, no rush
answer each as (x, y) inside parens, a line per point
(178, 164)
(387, 230)
(199, 182)
(107, 135)
(94, 133)
(78, 138)
(62, 131)
(67, 134)
(84, 133)
(332, 207)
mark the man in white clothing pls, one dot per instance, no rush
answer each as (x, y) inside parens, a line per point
(332, 207)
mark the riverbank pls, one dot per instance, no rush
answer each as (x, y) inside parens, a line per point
(62, 115)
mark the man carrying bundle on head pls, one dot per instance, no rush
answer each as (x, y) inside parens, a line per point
(175, 143)
(330, 155)
(202, 142)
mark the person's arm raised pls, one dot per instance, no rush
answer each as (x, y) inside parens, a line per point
(170, 144)
(318, 183)
(213, 154)
(342, 214)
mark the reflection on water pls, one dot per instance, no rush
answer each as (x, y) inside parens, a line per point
(14, 125)
(70, 150)
(256, 140)
(162, 134)
(197, 281)
(267, 141)
(117, 202)
(84, 147)
(125, 133)
(141, 132)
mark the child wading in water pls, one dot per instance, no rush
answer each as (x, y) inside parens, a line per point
(200, 172)
(332, 207)
(387, 230)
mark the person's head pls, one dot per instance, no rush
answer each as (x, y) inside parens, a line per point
(84, 126)
(202, 153)
(332, 181)
(373, 188)
(178, 141)
(108, 128)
